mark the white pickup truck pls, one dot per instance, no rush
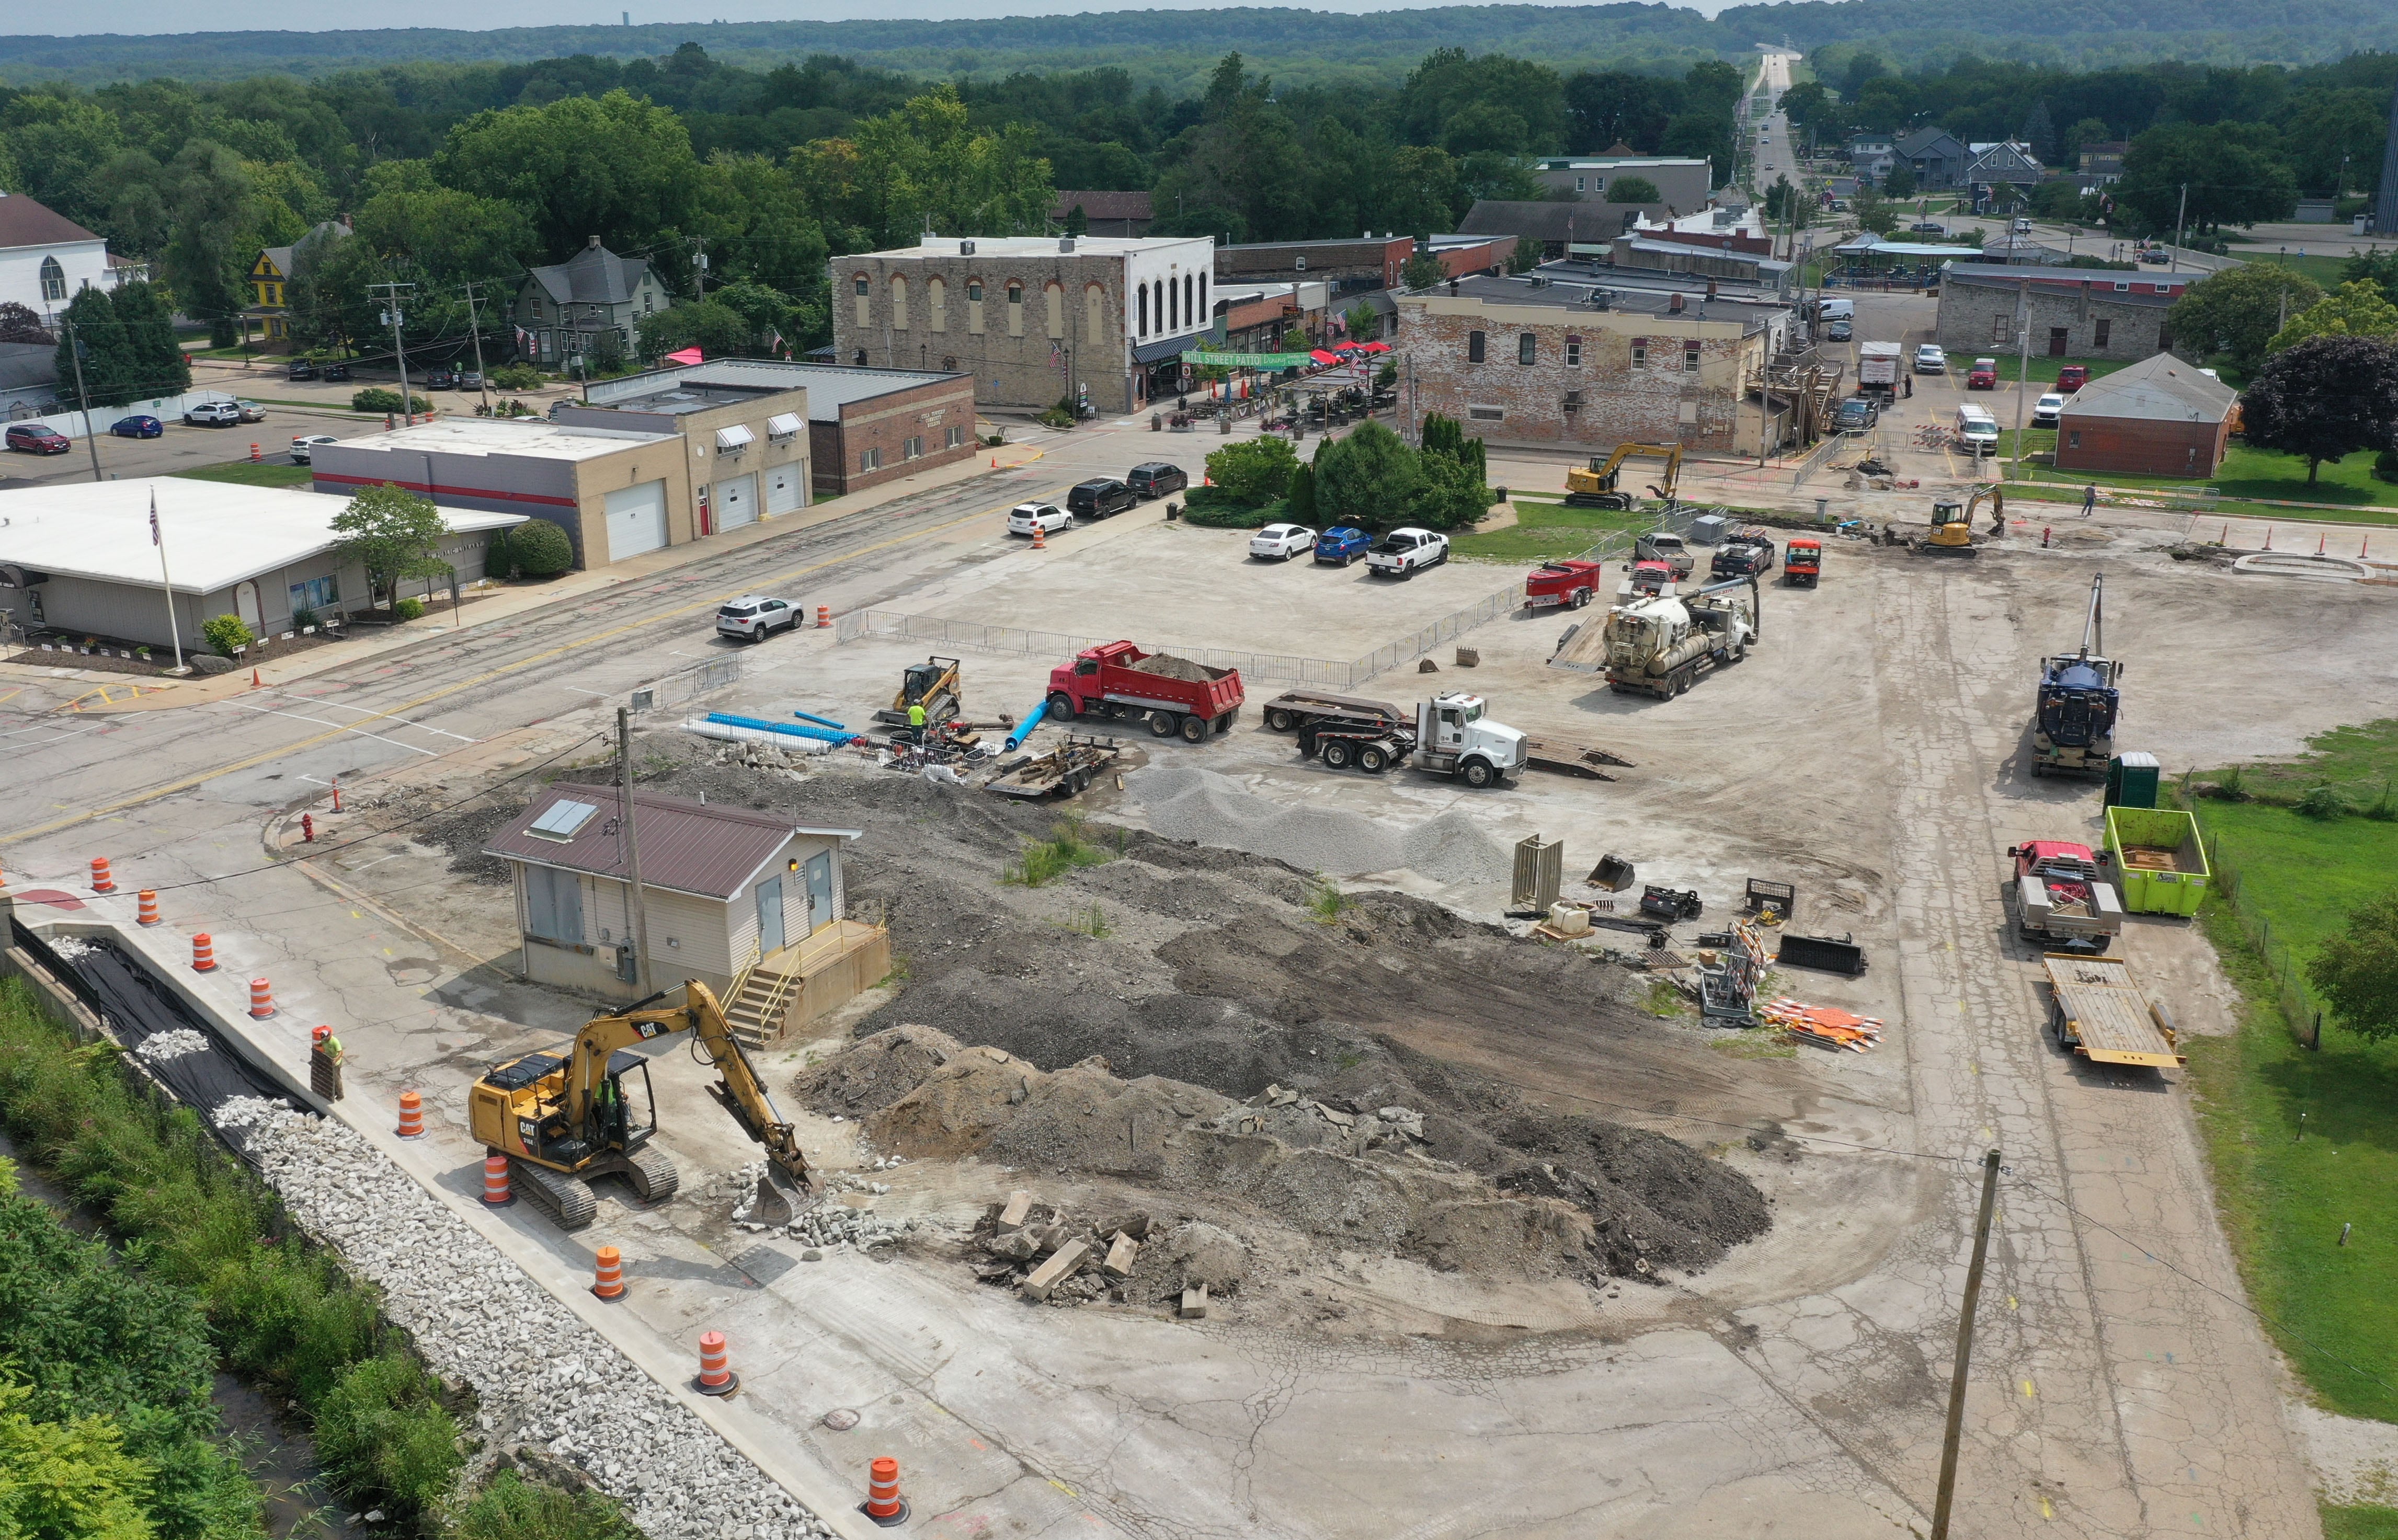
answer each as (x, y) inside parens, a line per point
(1404, 553)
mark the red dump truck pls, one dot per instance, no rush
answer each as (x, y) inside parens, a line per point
(1118, 680)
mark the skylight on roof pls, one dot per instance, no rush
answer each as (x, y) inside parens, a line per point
(562, 820)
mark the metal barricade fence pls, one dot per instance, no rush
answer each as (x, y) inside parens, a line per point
(686, 685)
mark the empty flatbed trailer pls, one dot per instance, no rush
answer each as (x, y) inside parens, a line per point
(2098, 1012)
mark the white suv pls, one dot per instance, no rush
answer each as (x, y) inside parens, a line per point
(1404, 553)
(214, 414)
(303, 449)
(1930, 359)
(2045, 410)
(1025, 518)
(755, 617)
(1282, 542)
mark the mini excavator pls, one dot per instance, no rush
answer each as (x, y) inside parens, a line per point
(563, 1119)
(1952, 523)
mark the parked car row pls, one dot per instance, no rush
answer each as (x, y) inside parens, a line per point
(1400, 554)
(1101, 497)
(449, 379)
(304, 370)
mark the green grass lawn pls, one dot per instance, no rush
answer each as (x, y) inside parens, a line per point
(241, 473)
(2284, 1198)
(1547, 530)
(2248, 476)
(2043, 368)
(2367, 1521)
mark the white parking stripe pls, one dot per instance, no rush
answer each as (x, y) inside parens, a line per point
(343, 726)
(404, 721)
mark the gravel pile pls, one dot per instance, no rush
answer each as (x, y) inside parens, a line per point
(1183, 802)
(543, 1377)
(160, 1046)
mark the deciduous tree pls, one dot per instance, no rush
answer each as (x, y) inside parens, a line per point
(2357, 969)
(2236, 311)
(2323, 398)
(395, 535)
(2358, 310)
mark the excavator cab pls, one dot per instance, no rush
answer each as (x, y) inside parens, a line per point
(1594, 485)
(1952, 522)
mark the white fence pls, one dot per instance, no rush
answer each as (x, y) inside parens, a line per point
(167, 409)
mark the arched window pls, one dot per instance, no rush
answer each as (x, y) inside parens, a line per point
(1190, 298)
(1173, 306)
(1095, 314)
(899, 302)
(54, 279)
(1054, 298)
(1015, 308)
(936, 300)
(1204, 310)
(1144, 309)
(973, 306)
(865, 287)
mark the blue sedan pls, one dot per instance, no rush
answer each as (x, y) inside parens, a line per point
(137, 427)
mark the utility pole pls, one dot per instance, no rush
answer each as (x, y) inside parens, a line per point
(391, 314)
(1964, 1350)
(633, 870)
(477, 333)
(2180, 210)
(2023, 363)
(699, 266)
(74, 351)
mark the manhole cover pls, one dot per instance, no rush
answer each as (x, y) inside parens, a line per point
(840, 1419)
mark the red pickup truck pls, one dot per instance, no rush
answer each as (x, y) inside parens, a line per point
(1117, 679)
(1569, 582)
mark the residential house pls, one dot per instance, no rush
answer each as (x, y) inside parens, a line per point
(269, 311)
(1937, 157)
(2101, 164)
(560, 311)
(1106, 214)
(2001, 174)
(1871, 156)
(1566, 230)
(2158, 417)
(46, 259)
(752, 904)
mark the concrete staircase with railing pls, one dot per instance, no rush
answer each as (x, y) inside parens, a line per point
(755, 1012)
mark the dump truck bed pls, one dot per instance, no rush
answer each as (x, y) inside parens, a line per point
(2099, 1011)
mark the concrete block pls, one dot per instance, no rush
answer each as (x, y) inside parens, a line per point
(1059, 1267)
(1120, 1255)
(1194, 1302)
(1019, 1209)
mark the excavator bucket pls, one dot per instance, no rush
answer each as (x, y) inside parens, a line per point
(778, 1201)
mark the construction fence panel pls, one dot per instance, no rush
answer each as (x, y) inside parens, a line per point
(686, 685)
(2300, 1008)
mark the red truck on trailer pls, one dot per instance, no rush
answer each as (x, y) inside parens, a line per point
(1117, 679)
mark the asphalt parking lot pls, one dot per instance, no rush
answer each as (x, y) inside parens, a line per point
(181, 447)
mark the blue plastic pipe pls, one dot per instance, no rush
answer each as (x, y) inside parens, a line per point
(791, 729)
(1024, 729)
(820, 721)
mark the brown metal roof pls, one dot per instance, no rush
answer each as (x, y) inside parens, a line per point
(686, 847)
(25, 223)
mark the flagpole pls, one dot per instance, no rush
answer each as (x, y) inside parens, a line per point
(174, 629)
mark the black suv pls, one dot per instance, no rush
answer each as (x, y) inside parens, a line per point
(336, 371)
(440, 379)
(303, 369)
(1157, 478)
(1101, 498)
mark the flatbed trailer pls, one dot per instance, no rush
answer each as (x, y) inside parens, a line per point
(1294, 708)
(2096, 1010)
(1563, 756)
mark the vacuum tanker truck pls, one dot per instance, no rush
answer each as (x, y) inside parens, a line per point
(1657, 645)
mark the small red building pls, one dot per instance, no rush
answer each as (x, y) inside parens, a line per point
(2160, 415)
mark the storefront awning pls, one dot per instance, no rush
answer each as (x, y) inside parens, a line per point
(1166, 347)
(1248, 360)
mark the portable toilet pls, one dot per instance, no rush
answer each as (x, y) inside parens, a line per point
(2132, 780)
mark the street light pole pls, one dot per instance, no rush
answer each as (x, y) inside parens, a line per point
(399, 349)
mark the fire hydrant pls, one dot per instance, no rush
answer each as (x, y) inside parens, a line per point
(307, 829)
(2044, 536)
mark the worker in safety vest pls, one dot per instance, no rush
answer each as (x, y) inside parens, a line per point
(324, 1065)
(611, 1108)
(916, 720)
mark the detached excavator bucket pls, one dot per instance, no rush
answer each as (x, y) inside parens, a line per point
(778, 1202)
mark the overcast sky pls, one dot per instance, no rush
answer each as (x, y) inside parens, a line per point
(173, 16)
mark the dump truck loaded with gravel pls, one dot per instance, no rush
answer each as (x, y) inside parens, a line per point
(1119, 680)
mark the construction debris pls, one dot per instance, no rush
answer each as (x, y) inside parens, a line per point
(1823, 1024)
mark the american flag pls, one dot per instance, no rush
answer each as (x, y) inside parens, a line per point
(154, 516)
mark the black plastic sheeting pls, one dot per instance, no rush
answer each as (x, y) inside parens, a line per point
(119, 987)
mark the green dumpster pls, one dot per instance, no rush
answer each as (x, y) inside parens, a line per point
(2160, 860)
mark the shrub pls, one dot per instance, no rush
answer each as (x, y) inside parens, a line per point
(409, 608)
(517, 377)
(1056, 416)
(510, 1509)
(2385, 466)
(1254, 470)
(1212, 508)
(540, 549)
(2320, 801)
(377, 398)
(383, 1434)
(1369, 479)
(303, 617)
(1300, 496)
(225, 632)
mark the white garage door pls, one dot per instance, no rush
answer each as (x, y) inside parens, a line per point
(736, 502)
(783, 490)
(637, 520)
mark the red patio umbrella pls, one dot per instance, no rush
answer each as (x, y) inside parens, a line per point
(1344, 347)
(1375, 347)
(687, 355)
(1323, 357)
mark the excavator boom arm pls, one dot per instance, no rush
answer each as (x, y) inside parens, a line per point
(739, 1086)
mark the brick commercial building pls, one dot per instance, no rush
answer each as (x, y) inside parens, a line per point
(1031, 319)
(1541, 367)
(1105, 213)
(868, 426)
(746, 451)
(2075, 313)
(1369, 262)
(2158, 417)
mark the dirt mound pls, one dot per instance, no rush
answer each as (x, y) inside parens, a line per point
(1165, 666)
(1184, 802)
(878, 1071)
(1189, 1255)
(1084, 1120)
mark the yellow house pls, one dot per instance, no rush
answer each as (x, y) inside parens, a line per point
(269, 310)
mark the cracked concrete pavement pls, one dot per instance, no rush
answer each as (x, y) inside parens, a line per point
(1795, 1389)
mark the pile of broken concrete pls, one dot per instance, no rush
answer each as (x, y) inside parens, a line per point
(1050, 1257)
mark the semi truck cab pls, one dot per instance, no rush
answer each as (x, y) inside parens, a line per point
(1454, 737)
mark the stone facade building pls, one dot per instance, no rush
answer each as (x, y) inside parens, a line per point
(1521, 366)
(2074, 313)
(1032, 319)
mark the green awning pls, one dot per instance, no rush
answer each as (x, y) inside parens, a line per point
(1249, 360)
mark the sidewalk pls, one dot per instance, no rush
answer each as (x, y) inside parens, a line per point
(161, 694)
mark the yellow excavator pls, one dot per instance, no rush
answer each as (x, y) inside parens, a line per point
(1952, 523)
(1594, 485)
(563, 1119)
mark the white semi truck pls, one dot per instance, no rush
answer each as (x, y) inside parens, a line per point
(1450, 735)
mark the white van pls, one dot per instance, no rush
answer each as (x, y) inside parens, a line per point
(1977, 431)
(1837, 310)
